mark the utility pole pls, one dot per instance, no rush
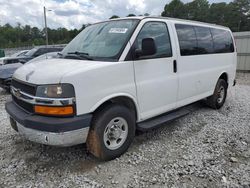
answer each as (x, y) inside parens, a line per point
(239, 25)
(46, 29)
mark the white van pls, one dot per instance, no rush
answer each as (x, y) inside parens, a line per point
(119, 76)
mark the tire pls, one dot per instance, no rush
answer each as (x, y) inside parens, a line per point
(103, 140)
(217, 100)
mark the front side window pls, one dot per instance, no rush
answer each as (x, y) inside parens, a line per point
(159, 32)
(103, 40)
(187, 39)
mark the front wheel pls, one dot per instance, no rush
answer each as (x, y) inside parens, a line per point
(111, 133)
(219, 96)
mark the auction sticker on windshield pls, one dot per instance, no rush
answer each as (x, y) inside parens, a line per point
(118, 30)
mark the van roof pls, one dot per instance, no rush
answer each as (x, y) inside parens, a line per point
(174, 20)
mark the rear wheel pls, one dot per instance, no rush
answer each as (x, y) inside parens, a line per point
(219, 96)
(111, 133)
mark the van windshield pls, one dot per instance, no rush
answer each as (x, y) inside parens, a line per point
(102, 41)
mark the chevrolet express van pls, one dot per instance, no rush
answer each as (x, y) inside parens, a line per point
(120, 76)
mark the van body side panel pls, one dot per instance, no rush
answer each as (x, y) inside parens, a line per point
(198, 74)
(94, 87)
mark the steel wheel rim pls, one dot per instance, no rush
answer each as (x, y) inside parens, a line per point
(221, 94)
(115, 133)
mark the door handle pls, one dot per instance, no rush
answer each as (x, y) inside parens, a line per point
(175, 66)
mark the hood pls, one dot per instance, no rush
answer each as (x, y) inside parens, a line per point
(11, 60)
(6, 71)
(19, 57)
(51, 71)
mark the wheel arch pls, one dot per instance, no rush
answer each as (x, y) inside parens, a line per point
(224, 76)
(122, 99)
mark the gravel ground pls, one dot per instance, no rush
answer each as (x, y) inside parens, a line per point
(206, 148)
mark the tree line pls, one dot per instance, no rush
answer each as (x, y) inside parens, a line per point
(20, 36)
(235, 15)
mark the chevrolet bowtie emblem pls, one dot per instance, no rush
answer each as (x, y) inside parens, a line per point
(17, 93)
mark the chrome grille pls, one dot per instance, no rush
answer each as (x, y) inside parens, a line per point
(24, 87)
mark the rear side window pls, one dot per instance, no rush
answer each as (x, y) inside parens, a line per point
(223, 42)
(197, 40)
(187, 39)
(204, 40)
(159, 32)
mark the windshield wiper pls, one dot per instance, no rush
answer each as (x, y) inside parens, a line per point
(80, 54)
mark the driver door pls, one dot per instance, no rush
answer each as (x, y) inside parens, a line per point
(155, 75)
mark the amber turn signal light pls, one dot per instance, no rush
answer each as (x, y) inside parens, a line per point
(54, 111)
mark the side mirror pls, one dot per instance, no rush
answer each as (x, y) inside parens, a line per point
(148, 48)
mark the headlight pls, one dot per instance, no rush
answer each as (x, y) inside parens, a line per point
(58, 100)
(56, 91)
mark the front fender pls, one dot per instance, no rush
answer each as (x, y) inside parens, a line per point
(100, 83)
(107, 98)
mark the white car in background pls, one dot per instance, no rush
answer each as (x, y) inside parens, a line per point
(44, 56)
(6, 71)
(17, 54)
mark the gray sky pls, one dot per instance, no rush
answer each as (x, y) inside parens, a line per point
(73, 13)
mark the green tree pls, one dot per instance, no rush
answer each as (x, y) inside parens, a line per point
(174, 9)
(197, 10)
(240, 15)
(218, 13)
(114, 17)
(235, 15)
(131, 15)
(28, 36)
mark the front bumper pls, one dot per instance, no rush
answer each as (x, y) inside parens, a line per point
(49, 130)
